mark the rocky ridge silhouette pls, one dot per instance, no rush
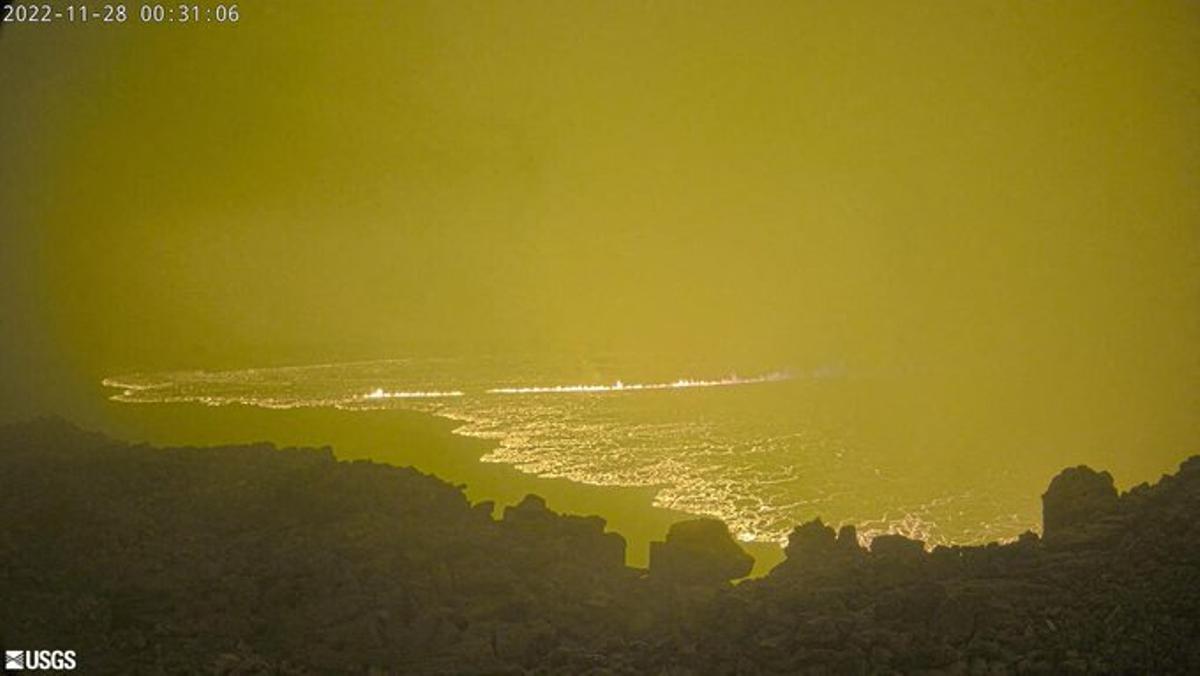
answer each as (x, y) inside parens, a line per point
(252, 559)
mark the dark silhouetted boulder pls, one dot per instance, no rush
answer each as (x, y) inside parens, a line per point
(531, 510)
(811, 540)
(575, 538)
(699, 551)
(814, 552)
(1076, 497)
(586, 535)
(847, 539)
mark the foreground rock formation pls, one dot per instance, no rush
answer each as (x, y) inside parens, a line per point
(253, 559)
(698, 551)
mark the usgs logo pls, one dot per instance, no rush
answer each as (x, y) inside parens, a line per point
(21, 660)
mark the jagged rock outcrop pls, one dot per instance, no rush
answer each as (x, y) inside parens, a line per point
(815, 552)
(1076, 497)
(252, 559)
(699, 551)
(811, 540)
(1114, 588)
(847, 538)
(581, 539)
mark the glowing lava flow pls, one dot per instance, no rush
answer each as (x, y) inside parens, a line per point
(380, 393)
(635, 387)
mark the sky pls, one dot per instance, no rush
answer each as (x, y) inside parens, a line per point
(1001, 198)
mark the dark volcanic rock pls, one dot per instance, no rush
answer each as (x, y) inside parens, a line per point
(252, 559)
(897, 547)
(565, 538)
(1076, 497)
(811, 540)
(813, 551)
(847, 538)
(530, 511)
(699, 551)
